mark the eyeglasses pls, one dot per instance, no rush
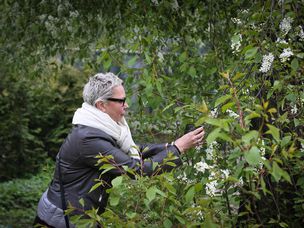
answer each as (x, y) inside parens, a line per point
(118, 100)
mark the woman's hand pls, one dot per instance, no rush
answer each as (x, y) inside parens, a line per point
(191, 139)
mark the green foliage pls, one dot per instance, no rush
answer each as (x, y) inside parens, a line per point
(35, 117)
(235, 67)
(19, 198)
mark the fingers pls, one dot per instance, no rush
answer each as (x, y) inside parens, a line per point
(192, 139)
(199, 135)
(198, 130)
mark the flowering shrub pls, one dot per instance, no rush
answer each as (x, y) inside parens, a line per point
(249, 171)
(235, 67)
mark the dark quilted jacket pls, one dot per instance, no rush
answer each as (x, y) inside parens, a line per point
(78, 165)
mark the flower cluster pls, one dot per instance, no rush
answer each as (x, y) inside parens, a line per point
(267, 62)
(213, 113)
(201, 166)
(232, 114)
(155, 2)
(281, 41)
(294, 110)
(236, 21)
(285, 25)
(175, 5)
(236, 43)
(210, 150)
(211, 189)
(302, 147)
(301, 33)
(225, 173)
(284, 56)
(184, 178)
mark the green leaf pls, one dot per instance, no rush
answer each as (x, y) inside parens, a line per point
(81, 201)
(171, 164)
(167, 223)
(213, 135)
(286, 176)
(183, 57)
(227, 106)
(192, 72)
(190, 194)
(253, 156)
(116, 182)
(285, 141)
(168, 106)
(276, 171)
(151, 193)
(95, 186)
(131, 215)
(114, 200)
(300, 55)
(209, 222)
(221, 123)
(170, 188)
(275, 132)
(235, 39)
(107, 64)
(225, 137)
(249, 54)
(295, 64)
(222, 99)
(148, 59)
(132, 61)
(251, 135)
(180, 219)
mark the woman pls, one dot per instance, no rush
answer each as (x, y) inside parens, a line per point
(100, 128)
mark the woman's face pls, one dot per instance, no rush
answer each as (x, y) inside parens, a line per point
(115, 108)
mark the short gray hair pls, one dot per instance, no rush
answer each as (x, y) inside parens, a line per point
(100, 87)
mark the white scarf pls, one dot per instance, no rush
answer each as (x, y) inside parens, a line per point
(89, 115)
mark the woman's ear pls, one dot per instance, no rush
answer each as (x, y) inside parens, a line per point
(100, 105)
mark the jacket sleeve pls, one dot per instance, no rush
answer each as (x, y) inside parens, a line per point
(105, 146)
(149, 150)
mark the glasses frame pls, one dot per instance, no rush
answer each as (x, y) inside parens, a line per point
(122, 101)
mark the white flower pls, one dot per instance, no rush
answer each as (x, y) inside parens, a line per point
(232, 114)
(155, 2)
(214, 113)
(284, 56)
(74, 14)
(302, 147)
(225, 173)
(301, 33)
(294, 110)
(285, 25)
(175, 5)
(236, 21)
(210, 149)
(241, 182)
(183, 177)
(267, 62)
(281, 41)
(211, 188)
(199, 147)
(160, 56)
(236, 43)
(201, 166)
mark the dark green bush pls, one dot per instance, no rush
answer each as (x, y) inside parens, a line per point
(19, 198)
(36, 115)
